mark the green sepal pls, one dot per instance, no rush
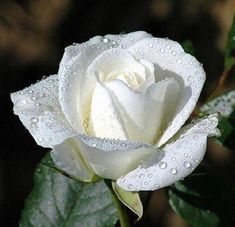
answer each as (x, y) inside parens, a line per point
(188, 47)
(130, 199)
(93, 177)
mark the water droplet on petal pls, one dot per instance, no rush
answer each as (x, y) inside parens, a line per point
(179, 61)
(168, 47)
(130, 186)
(21, 103)
(162, 165)
(34, 120)
(187, 165)
(174, 171)
(40, 139)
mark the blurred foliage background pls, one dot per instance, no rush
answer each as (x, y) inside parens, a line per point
(33, 34)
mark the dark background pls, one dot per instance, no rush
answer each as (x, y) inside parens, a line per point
(33, 34)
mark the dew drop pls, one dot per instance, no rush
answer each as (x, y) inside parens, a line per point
(37, 104)
(33, 120)
(156, 186)
(173, 53)
(21, 103)
(168, 47)
(179, 61)
(33, 98)
(150, 175)
(162, 165)
(189, 78)
(40, 139)
(187, 165)
(185, 155)
(130, 186)
(174, 171)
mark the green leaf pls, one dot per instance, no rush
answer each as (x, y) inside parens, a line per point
(129, 199)
(203, 200)
(225, 105)
(60, 201)
(188, 47)
(229, 60)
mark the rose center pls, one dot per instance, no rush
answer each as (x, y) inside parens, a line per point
(131, 79)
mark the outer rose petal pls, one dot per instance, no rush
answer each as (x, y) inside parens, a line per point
(169, 58)
(40, 101)
(126, 40)
(180, 158)
(123, 40)
(112, 158)
(68, 157)
(74, 50)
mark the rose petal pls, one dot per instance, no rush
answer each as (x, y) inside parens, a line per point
(76, 88)
(54, 130)
(116, 60)
(37, 102)
(68, 157)
(180, 158)
(171, 60)
(104, 118)
(123, 40)
(142, 112)
(126, 40)
(74, 50)
(112, 158)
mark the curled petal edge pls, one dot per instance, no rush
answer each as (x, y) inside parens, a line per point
(180, 157)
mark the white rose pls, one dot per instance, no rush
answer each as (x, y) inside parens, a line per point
(115, 109)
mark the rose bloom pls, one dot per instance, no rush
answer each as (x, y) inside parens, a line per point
(116, 108)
